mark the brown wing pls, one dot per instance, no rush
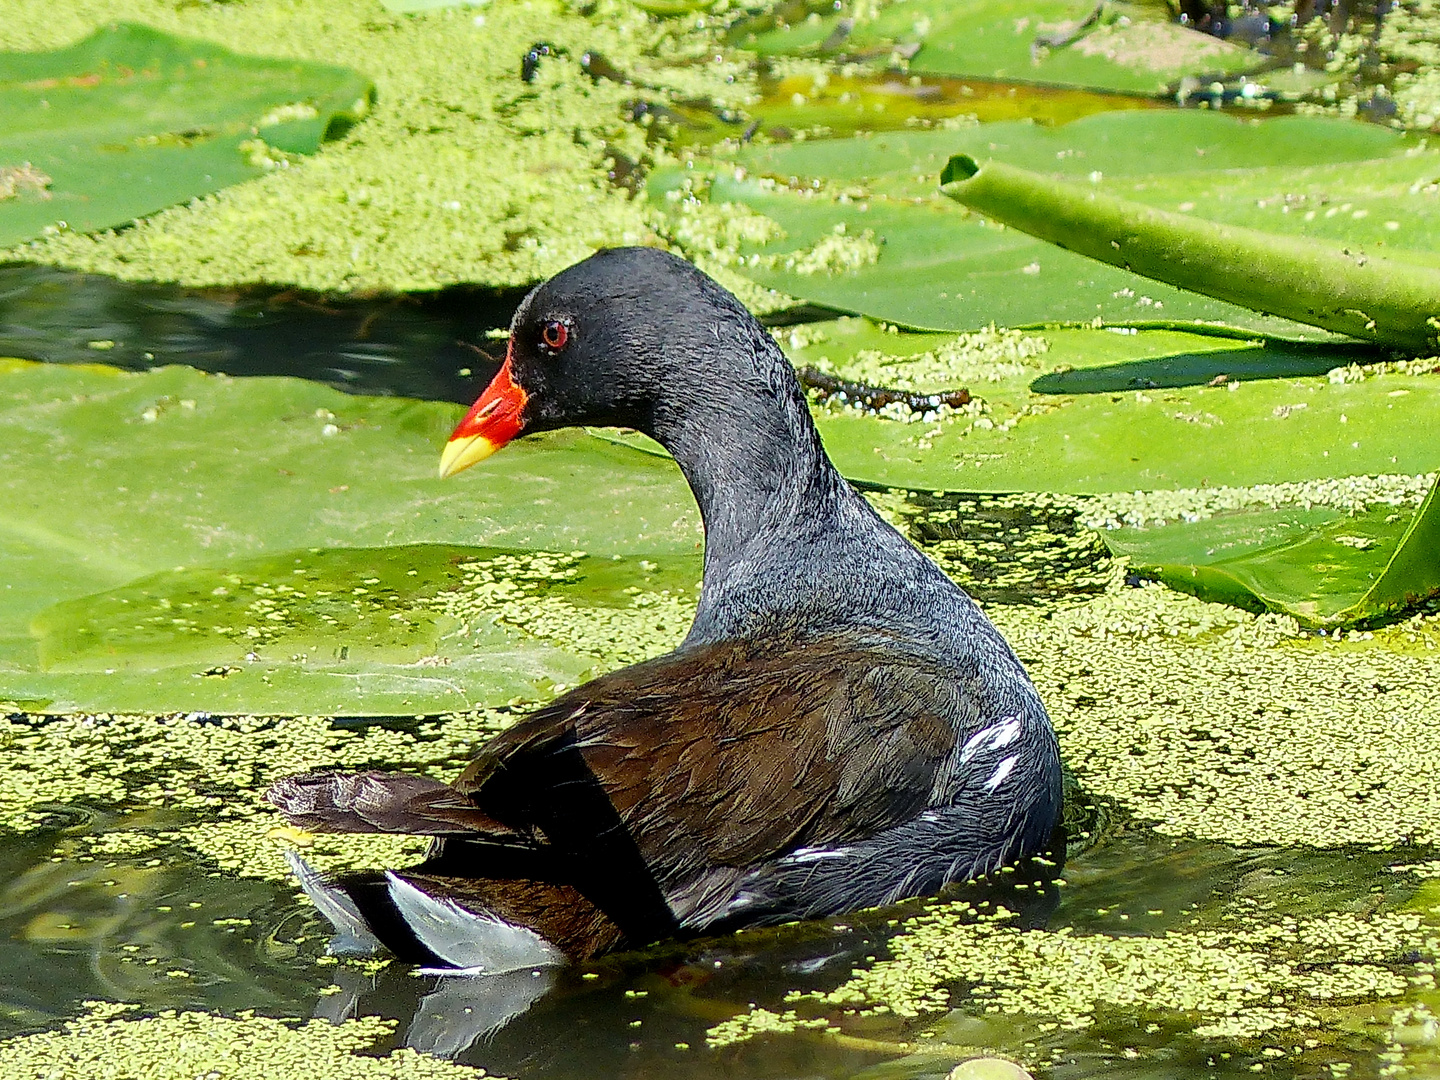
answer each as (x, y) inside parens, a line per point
(725, 755)
(651, 789)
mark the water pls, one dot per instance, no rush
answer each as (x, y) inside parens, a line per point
(431, 347)
(119, 929)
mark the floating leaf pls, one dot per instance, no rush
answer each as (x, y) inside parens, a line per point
(418, 628)
(111, 479)
(1089, 411)
(1117, 145)
(1324, 568)
(930, 268)
(131, 120)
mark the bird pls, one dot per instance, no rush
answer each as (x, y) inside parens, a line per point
(841, 728)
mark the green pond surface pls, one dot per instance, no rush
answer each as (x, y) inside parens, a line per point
(177, 935)
(1249, 879)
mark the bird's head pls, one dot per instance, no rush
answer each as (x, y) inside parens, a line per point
(602, 342)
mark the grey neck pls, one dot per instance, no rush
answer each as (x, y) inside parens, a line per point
(790, 547)
(757, 479)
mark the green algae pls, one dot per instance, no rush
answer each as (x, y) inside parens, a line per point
(207, 772)
(1347, 494)
(196, 781)
(1282, 980)
(1006, 548)
(619, 629)
(461, 172)
(1195, 719)
(1142, 684)
(1213, 723)
(986, 356)
(131, 120)
(105, 1042)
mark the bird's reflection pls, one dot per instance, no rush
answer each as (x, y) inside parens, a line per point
(461, 1010)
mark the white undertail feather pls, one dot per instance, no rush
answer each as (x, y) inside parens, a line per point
(352, 932)
(470, 942)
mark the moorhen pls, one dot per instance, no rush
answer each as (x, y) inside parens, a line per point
(841, 728)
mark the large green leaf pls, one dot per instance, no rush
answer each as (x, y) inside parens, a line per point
(1324, 568)
(928, 267)
(156, 489)
(1328, 285)
(931, 266)
(132, 120)
(394, 630)
(1089, 411)
(1127, 48)
(1125, 144)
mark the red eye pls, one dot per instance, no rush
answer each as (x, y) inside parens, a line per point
(555, 335)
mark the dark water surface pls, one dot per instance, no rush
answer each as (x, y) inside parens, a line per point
(431, 347)
(118, 929)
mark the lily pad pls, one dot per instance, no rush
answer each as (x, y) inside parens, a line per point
(929, 266)
(111, 479)
(1091, 411)
(1119, 47)
(1176, 143)
(418, 628)
(1324, 568)
(1323, 284)
(131, 120)
(892, 251)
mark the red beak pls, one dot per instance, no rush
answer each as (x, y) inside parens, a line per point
(492, 422)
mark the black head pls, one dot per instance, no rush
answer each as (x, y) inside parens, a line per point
(633, 337)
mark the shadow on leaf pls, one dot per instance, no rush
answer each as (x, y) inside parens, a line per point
(1275, 361)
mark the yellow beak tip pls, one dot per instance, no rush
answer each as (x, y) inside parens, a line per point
(460, 453)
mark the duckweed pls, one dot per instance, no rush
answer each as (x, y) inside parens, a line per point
(105, 1042)
(1009, 548)
(1216, 724)
(969, 360)
(1201, 720)
(653, 624)
(1239, 981)
(1352, 494)
(833, 253)
(204, 776)
(461, 172)
(507, 589)
(712, 235)
(759, 1022)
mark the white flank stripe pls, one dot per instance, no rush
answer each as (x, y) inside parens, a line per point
(1001, 771)
(994, 737)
